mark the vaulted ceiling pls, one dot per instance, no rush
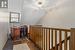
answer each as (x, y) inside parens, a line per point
(33, 10)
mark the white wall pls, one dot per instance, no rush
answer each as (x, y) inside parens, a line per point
(15, 6)
(60, 15)
(3, 27)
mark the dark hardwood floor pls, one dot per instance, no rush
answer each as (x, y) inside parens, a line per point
(9, 45)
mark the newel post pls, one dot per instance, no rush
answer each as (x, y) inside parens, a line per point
(72, 39)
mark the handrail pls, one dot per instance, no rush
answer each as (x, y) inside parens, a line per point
(37, 26)
(61, 42)
(46, 38)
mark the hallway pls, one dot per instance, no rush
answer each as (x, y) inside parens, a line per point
(48, 24)
(23, 44)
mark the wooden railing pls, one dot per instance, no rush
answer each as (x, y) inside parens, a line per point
(72, 39)
(50, 38)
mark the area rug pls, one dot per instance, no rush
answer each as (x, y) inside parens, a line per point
(23, 46)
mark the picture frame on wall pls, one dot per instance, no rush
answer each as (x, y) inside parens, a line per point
(14, 17)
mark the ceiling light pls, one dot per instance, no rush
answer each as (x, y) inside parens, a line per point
(39, 3)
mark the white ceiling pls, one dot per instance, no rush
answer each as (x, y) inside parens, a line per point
(31, 10)
(45, 3)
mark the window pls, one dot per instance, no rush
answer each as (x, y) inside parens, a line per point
(3, 3)
(14, 17)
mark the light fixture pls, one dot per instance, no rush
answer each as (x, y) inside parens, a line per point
(39, 3)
